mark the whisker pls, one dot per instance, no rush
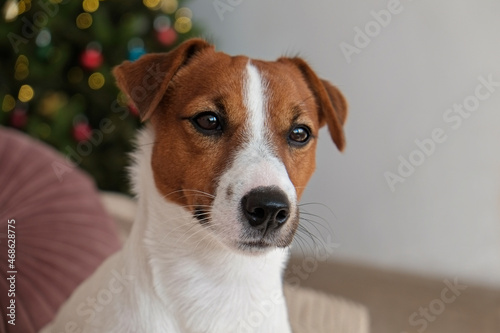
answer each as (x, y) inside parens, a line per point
(312, 236)
(314, 224)
(306, 232)
(319, 204)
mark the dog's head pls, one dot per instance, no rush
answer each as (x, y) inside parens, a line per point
(235, 138)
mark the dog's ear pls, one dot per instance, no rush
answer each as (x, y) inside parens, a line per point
(331, 103)
(146, 80)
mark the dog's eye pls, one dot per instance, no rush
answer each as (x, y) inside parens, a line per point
(207, 123)
(299, 135)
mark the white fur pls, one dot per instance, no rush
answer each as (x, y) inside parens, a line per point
(255, 165)
(175, 275)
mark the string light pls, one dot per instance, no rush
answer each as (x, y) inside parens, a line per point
(21, 69)
(96, 81)
(161, 22)
(151, 4)
(51, 102)
(84, 20)
(90, 6)
(184, 12)
(10, 10)
(183, 25)
(8, 103)
(24, 6)
(21, 72)
(26, 93)
(169, 6)
(44, 37)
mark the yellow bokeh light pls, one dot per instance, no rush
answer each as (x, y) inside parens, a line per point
(183, 25)
(169, 6)
(21, 68)
(26, 93)
(184, 12)
(96, 81)
(24, 6)
(8, 103)
(22, 59)
(151, 4)
(21, 72)
(51, 102)
(90, 6)
(21, 7)
(84, 20)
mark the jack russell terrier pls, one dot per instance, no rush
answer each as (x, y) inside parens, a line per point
(219, 169)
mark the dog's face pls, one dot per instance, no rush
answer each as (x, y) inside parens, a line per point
(235, 138)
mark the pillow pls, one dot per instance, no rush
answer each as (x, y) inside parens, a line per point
(52, 217)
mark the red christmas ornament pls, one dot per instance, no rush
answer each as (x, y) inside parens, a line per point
(82, 132)
(91, 59)
(167, 36)
(19, 118)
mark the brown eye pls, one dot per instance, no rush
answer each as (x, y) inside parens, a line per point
(299, 136)
(207, 123)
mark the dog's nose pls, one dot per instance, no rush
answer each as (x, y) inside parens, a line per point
(266, 208)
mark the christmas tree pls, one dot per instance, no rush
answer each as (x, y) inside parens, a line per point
(56, 58)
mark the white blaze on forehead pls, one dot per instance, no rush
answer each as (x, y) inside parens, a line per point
(255, 102)
(257, 161)
(255, 164)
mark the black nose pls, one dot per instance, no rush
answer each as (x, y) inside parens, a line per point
(266, 208)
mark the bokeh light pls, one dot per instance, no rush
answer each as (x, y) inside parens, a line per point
(183, 25)
(184, 12)
(169, 6)
(96, 81)
(8, 103)
(21, 68)
(10, 10)
(151, 4)
(26, 93)
(90, 6)
(84, 20)
(43, 39)
(162, 22)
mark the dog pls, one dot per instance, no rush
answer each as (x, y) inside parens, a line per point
(221, 163)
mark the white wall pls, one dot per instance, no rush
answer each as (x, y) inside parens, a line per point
(444, 219)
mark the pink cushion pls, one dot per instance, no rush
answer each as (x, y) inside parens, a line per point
(62, 232)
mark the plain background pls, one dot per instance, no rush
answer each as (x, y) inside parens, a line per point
(444, 219)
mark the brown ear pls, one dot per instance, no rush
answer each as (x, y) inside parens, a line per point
(146, 80)
(330, 101)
